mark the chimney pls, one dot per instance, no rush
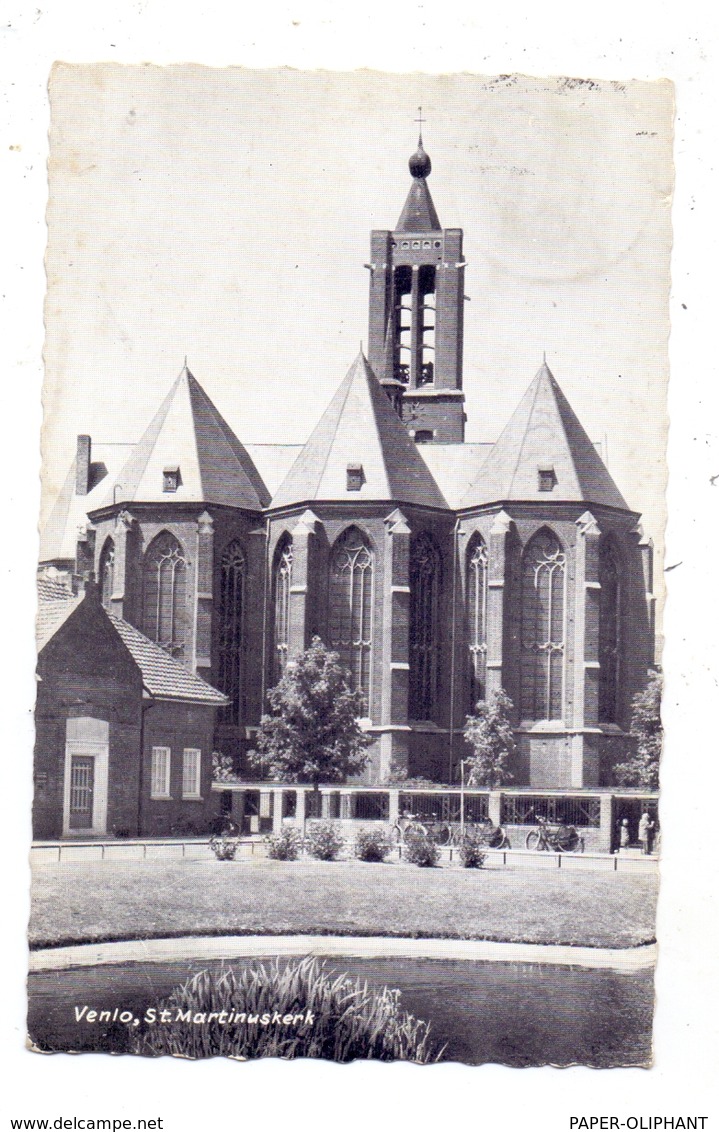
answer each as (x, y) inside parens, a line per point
(82, 465)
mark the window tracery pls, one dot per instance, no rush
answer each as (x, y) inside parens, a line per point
(425, 578)
(477, 574)
(231, 610)
(282, 583)
(543, 628)
(350, 621)
(164, 594)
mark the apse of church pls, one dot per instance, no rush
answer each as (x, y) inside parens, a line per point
(438, 569)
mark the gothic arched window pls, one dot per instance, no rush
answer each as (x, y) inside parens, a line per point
(164, 594)
(424, 580)
(609, 629)
(106, 572)
(350, 614)
(282, 580)
(230, 616)
(477, 560)
(542, 636)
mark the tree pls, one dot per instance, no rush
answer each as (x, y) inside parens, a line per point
(312, 733)
(646, 731)
(489, 733)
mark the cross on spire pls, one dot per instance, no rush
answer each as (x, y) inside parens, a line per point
(421, 120)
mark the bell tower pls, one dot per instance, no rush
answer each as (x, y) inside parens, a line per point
(416, 314)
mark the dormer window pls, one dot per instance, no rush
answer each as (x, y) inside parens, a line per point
(171, 478)
(546, 479)
(355, 477)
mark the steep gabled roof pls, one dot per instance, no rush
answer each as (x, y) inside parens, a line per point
(359, 427)
(188, 433)
(54, 605)
(162, 675)
(544, 434)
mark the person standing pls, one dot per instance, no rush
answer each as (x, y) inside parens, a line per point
(624, 834)
(646, 827)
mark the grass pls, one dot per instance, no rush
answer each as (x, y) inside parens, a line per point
(82, 903)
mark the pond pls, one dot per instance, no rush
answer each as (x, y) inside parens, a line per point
(516, 1014)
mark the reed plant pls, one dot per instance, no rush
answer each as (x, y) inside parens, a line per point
(333, 1015)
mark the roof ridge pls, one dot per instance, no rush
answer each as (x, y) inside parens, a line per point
(187, 375)
(520, 451)
(349, 379)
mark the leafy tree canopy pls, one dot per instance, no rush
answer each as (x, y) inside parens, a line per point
(312, 733)
(642, 767)
(489, 734)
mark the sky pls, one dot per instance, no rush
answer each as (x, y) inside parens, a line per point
(224, 215)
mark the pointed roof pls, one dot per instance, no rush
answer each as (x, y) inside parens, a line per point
(544, 434)
(188, 433)
(360, 427)
(419, 213)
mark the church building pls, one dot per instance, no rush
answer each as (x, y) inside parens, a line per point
(438, 569)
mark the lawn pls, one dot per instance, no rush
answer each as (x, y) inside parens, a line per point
(74, 903)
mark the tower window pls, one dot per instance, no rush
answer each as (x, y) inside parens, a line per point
(171, 478)
(546, 479)
(424, 436)
(355, 477)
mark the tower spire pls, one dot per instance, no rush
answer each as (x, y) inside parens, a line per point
(421, 120)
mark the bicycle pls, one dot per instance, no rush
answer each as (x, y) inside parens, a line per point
(554, 839)
(491, 835)
(407, 823)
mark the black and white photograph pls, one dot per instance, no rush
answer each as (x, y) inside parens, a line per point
(351, 566)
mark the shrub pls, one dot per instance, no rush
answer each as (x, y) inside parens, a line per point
(372, 845)
(419, 849)
(348, 1020)
(286, 845)
(324, 840)
(224, 846)
(472, 849)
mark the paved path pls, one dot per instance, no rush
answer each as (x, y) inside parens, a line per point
(235, 947)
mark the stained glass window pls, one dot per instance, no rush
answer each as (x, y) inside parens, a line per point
(477, 618)
(425, 579)
(350, 622)
(230, 613)
(164, 591)
(542, 634)
(609, 630)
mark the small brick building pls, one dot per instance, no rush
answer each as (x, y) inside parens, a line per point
(438, 569)
(123, 732)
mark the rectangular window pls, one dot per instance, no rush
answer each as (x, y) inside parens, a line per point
(160, 777)
(191, 761)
